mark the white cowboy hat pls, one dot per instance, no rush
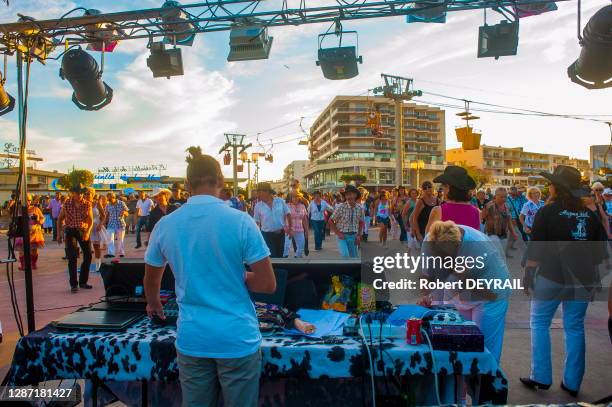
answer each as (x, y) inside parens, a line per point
(157, 191)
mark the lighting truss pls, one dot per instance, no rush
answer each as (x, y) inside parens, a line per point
(220, 15)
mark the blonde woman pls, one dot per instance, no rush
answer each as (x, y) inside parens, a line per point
(487, 308)
(98, 233)
(37, 239)
(529, 210)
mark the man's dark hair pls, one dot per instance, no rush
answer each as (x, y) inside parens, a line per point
(458, 195)
(202, 169)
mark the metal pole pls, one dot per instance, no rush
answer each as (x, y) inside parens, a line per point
(25, 219)
(248, 186)
(235, 164)
(398, 142)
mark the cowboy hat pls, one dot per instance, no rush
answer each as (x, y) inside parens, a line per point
(157, 191)
(457, 177)
(353, 189)
(568, 178)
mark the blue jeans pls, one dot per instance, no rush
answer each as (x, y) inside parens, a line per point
(347, 246)
(543, 309)
(318, 228)
(142, 221)
(300, 241)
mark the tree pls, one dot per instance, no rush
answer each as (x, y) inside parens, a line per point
(75, 177)
(357, 178)
(480, 176)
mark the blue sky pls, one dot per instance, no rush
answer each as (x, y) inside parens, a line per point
(155, 120)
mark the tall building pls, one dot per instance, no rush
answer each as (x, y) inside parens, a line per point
(341, 142)
(294, 170)
(513, 165)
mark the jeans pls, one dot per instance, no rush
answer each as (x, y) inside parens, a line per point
(275, 242)
(202, 379)
(366, 224)
(403, 234)
(119, 249)
(546, 300)
(74, 237)
(300, 241)
(54, 229)
(318, 229)
(142, 221)
(347, 246)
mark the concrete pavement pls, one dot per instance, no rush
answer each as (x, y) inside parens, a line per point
(53, 299)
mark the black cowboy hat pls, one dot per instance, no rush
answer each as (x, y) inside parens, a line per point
(457, 177)
(568, 178)
(352, 188)
(78, 188)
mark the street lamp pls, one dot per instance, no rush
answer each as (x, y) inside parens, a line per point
(417, 165)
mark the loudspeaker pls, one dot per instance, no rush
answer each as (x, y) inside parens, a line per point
(121, 277)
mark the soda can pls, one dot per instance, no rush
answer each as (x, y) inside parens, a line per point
(413, 331)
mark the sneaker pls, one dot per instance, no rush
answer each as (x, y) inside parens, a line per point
(122, 255)
(138, 246)
(85, 286)
(108, 256)
(74, 289)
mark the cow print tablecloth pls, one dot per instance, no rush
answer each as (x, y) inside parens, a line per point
(146, 351)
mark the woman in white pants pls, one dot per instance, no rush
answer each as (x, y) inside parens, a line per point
(299, 225)
(116, 212)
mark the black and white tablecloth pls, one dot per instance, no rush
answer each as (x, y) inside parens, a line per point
(146, 352)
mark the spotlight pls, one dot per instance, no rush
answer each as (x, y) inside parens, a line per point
(7, 102)
(103, 36)
(178, 23)
(593, 68)
(338, 62)
(165, 62)
(429, 13)
(249, 43)
(81, 70)
(498, 40)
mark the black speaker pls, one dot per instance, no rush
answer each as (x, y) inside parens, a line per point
(339, 63)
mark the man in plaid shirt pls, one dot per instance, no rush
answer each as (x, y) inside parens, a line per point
(347, 223)
(76, 221)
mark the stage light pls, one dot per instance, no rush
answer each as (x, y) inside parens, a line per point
(338, 62)
(103, 36)
(165, 62)
(593, 68)
(7, 102)
(178, 23)
(498, 40)
(249, 43)
(428, 13)
(81, 70)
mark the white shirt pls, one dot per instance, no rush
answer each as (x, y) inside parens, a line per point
(272, 218)
(207, 244)
(315, 213)
(144, 206)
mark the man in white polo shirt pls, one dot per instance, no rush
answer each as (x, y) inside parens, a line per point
(272, 215)
(207, 245)
(143, 208)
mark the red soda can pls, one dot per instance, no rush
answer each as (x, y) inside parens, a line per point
(413, 331)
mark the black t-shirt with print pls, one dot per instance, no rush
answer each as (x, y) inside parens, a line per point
(567, 244)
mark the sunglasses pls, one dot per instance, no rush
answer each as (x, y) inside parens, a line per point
(598, 190)
(427, 187)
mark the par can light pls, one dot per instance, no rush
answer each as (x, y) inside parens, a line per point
(82, 71)
(165, 62)
(177, 23)
(593, 68)
(498, 40)
(7, 102)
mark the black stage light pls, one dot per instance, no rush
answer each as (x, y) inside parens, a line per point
(82, 71)
(7, 102)
(498, 40)
(338, 62)
(165, 62)
(593, 68)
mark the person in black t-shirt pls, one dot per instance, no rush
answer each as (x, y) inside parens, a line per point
(567, 245)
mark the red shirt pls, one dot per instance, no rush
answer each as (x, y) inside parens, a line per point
(76, 212)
